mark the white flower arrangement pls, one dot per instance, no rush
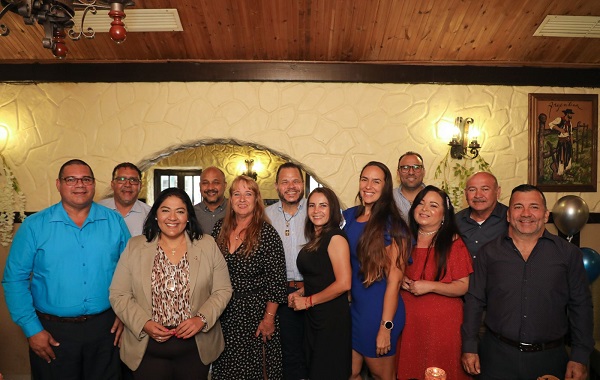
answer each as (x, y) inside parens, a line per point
(12, 200)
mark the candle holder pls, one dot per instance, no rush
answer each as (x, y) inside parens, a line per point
(435, 373)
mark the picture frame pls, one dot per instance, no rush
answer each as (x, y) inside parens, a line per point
(563, 142)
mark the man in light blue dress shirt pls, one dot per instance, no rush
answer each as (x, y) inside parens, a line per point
(56, 282)
(288, 216)
(126, 184)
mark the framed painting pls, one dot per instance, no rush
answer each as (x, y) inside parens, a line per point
(563, 142)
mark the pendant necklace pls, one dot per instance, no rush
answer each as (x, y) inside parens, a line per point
(173, 250)
(237, 234)
(287, 221)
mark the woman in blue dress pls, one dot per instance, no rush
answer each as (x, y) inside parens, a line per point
(379, 242)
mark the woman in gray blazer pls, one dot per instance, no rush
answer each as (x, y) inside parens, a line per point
(171, 285)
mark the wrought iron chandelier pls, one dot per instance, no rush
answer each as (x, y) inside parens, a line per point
(57, 17)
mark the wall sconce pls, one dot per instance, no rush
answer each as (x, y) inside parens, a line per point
(249, 169)
(463, 132)
(3, 137)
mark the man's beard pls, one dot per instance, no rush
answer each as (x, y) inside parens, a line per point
(283, 200)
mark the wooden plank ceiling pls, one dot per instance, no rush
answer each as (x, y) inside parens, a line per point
(418, 32)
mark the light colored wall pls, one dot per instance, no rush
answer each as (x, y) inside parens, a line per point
(333, 129)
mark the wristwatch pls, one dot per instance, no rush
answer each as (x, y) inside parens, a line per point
(387, 324)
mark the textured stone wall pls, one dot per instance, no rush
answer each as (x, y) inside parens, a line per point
(332, 129)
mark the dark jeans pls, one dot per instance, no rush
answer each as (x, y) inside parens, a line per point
(175, 359)
(292, 342)
(86, 351)
(500, 361)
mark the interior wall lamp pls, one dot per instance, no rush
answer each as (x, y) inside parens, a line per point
(57, 17)
(249, 169)
(3, 137)
(463, 132)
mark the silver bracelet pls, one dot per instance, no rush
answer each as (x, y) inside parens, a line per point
(203, 319)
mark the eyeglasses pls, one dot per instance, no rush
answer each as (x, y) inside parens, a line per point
(72, 181)
(131, 180)
(406, 168)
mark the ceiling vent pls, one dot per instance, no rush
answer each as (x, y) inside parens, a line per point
(136, 20)
(569, 26)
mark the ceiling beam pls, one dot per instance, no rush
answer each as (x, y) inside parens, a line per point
(298, 72)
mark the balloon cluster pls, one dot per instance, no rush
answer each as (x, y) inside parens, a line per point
(570, 214)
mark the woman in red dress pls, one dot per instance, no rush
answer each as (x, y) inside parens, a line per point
(432, 290)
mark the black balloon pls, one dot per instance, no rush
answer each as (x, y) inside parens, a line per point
(570, 213)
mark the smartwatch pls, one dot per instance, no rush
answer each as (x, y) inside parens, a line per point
(387, 324)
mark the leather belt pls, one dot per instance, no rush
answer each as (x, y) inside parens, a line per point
(296, 284)
(528, 347)
(80, 319)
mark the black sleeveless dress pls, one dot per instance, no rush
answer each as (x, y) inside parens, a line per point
(327, 334)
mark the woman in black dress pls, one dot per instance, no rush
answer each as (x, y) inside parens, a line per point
(325, 264)
(254, 254)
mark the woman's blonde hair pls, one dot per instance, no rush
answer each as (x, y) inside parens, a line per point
(229, 222)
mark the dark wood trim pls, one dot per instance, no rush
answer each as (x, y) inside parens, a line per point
(297, 72)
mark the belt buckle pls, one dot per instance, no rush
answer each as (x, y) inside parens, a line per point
(528, 347)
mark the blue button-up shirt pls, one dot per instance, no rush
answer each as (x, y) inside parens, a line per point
(293, 242)
(56, 267)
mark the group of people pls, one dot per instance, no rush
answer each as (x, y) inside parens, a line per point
(297, 290)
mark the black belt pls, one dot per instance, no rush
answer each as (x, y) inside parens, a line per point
(528, 347)
(80, 319)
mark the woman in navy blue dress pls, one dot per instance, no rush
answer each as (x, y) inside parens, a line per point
(379, 246)
(325, 265)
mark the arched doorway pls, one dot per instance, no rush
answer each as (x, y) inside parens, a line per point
(181, 166)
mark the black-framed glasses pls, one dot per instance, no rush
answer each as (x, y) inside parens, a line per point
(72, 181)
(406, 168)
(131, 180)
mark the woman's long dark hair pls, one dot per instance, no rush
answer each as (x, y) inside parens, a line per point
(192, 227)
(335, 219)
(385, 219)
(442, 241)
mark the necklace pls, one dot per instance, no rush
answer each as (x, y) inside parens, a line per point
(171, 248)
(427, 233)
(237, 234)
(287, 221)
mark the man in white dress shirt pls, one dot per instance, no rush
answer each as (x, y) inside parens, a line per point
(288, 216)
(126, 185)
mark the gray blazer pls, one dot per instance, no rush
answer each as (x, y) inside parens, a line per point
(131, 295)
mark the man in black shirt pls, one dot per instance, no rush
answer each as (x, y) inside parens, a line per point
(535, 289)
(485, 218)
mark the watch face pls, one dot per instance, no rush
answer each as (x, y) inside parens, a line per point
(389, 325)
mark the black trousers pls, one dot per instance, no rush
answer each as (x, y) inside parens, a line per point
(175, 359)
(500, 361)
(86, 351)
(292, 342)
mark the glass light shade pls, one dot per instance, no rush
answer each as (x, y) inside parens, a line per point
(474, 133)
(446, 130)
